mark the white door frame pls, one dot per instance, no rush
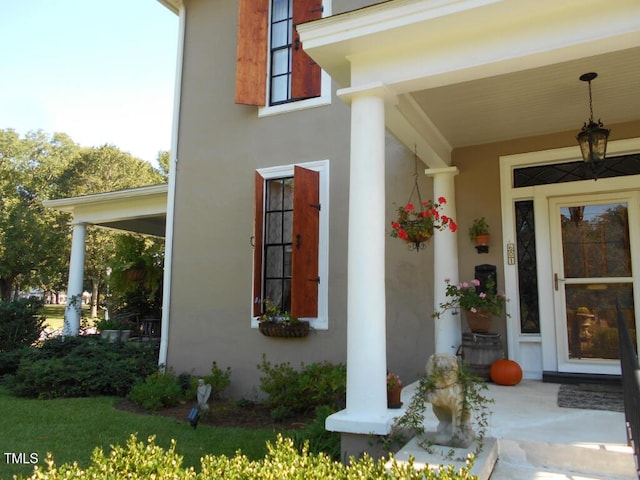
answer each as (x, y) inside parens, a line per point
(537, 353)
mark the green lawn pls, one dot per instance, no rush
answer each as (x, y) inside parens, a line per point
(55, 315)
(71, 428)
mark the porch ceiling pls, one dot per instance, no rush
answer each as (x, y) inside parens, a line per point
(140, 210)
(470, 72)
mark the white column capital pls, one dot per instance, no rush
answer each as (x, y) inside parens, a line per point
(433, 172)
(376, 89)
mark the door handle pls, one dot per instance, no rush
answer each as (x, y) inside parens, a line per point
(556, 279)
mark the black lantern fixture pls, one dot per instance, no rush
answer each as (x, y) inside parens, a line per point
(593, 137)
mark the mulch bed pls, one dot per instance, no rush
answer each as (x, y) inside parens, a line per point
(224, 413)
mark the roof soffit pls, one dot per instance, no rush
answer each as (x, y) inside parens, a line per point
(444, 58)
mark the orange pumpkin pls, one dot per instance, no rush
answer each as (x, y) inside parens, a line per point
(506, 372)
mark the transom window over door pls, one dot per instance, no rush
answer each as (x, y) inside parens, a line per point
(290, 255)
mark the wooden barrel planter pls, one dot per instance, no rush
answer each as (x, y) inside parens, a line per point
(480, 351)
(285, 330)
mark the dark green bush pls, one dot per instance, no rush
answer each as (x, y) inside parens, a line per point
(283, 462)
(314, 385)
(81, 367)
(20, 323)
(9, 361)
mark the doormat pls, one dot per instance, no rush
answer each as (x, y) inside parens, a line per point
(591, 397)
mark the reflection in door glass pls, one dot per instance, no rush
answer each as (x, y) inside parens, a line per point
(595, 241)
(591, 318)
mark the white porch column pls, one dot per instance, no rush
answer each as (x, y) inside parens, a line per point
(366, 410)
(76, 274)
(448, 330)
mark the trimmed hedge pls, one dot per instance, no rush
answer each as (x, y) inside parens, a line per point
(81, 367)
(282, 462)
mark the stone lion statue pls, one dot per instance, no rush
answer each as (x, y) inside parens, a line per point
(447, 400)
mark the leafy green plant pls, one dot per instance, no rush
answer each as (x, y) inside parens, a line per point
(218, 379)
(20, 323)
(303, 390)
(82, 366)
(319, 439)
(160, 389)
(478, 227)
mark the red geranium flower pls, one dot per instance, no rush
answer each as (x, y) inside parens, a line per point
(417, 226)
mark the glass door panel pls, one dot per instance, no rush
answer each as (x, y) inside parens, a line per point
(593, 271)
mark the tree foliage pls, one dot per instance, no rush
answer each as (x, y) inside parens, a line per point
(35, 241)
(32, 238)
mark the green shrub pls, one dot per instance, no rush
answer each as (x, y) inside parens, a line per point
(81, 367)
(218, 379)
(20, 323)
(313, 386)
(160, 389)
(319, 439)
(283, 462)
(10, 361)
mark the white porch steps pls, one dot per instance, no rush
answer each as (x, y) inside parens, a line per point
(534, 439)
(527, 460)
(506, 459)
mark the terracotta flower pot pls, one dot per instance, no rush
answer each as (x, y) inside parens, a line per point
(482, 240)
(480, 321)
(393, 397)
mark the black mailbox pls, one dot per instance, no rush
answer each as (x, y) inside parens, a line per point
(483, 273)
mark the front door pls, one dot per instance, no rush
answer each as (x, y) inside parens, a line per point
(592, 256)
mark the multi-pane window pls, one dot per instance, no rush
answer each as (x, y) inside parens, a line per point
(272, 67)
(287, 242)
(281, 49)
(278, 222)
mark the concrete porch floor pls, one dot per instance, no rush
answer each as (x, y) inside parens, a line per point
(536, 439)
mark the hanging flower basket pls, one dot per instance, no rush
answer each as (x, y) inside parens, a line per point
(296, 329)
(416, 226)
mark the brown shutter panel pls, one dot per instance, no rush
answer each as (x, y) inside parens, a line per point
(306, 235)
(258, 220)
(305, 73)
(251, 62)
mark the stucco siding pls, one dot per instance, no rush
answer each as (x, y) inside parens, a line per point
(221, 144)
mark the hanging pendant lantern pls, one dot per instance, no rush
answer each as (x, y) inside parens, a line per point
(593, 137)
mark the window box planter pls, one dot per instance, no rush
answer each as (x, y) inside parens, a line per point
(286, 330)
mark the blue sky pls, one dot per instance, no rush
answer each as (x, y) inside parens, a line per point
(101, 71)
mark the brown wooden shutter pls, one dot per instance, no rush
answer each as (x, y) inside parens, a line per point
(258, 219)
(253, 44)
(306, 236)
(305, 73)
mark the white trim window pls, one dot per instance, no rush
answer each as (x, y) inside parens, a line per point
(291, 251)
